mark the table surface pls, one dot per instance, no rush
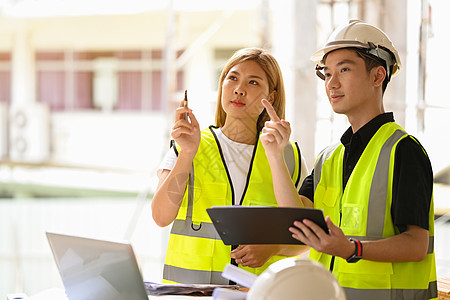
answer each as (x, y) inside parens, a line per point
(59, 294)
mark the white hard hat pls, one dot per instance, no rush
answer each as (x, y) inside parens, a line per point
(293, 278)
(357, 34)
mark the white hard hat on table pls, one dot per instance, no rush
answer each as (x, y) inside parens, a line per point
(293, 278)
(357, 34)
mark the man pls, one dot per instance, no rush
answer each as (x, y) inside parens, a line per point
(375, 187)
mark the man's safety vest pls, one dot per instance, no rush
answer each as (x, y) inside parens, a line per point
(363, 212)
(195, 252)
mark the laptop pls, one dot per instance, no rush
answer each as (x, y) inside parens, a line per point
(97, 269)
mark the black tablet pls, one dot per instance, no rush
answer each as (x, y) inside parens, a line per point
(240, 225)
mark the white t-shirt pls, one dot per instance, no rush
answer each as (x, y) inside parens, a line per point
(237, 158)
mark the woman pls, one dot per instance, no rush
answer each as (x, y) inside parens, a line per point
(224, 164)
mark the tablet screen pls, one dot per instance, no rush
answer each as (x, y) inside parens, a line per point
(240, 225)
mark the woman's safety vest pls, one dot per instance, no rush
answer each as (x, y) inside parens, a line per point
(363, 211)
(195, 252)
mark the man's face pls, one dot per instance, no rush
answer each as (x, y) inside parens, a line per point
(347, 83)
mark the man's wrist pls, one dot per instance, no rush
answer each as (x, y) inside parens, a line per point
(358, 252)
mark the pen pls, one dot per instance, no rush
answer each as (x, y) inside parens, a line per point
(185, 104)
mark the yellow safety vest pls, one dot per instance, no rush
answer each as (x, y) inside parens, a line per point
(363, 211)
(195, 252)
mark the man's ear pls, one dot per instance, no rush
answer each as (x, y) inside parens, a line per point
(379, 76)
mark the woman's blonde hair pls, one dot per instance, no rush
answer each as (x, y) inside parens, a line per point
(273, 72)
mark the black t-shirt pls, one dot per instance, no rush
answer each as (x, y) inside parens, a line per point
(413, 175)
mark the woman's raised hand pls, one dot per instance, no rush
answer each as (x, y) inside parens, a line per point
(186, 132)
(276, 132)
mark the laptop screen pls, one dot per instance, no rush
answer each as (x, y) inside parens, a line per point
(97, 269)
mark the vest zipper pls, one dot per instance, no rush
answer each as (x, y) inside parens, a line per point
(223, 162)
(250, 168)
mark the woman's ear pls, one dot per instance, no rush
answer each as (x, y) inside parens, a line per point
(379, 76)
(271, 97)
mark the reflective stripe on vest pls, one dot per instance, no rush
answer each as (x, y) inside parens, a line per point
(323, 156)
(193, 276)
(188, 229)
(367, 279)
(393, 294)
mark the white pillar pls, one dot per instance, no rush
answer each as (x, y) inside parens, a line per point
(29, 121)
(391, 17)
(23, 79)
(294, 41)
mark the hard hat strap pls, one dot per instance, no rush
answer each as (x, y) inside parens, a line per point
(369, 48)
(384, 55)
(372, 51)
(319, 73)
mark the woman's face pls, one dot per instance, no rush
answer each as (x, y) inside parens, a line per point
(243, 88)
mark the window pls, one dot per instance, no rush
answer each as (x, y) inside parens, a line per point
(108, 80)
(5, 77)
